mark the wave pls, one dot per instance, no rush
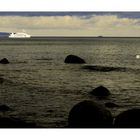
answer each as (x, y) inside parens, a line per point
(44, 59)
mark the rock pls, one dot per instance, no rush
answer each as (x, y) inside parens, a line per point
(100, 91)
(8, 122)
(128, 119)
(1, 80)
(4, 61)
(111, 105)
(50, 111)
(4, 108)
(88, 114)
(74, 59)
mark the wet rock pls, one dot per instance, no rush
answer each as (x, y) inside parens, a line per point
(128, 119)
(4, 61)
(7, 122)
(50, 111)
(88, 114)
(74, 59)
(111, 105)
(100, 91)
(4, 108)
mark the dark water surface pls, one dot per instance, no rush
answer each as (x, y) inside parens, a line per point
(40, 87)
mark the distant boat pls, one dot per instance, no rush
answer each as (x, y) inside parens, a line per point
(19, 35)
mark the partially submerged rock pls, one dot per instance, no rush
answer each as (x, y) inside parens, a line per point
(4, 61)
(101, 68)
(1, 80)
(100, 91)
(88, 114)
(74, 59)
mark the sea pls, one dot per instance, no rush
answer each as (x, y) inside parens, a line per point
(39, 87)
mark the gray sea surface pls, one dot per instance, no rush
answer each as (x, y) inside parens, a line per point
(41, 88)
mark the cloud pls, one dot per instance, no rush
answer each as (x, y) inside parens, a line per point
(72, 25)
(41, 22)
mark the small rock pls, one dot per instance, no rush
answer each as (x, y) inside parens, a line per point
(74, 59)
(4, 61)
(50, 111)
(4, 108)
(100, 91)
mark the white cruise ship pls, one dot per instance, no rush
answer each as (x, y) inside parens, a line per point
(19, 35)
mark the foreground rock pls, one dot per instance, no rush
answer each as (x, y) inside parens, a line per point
(7, 122)
(128, 119)
(88, 114)
(4, 61)
(74, 59)
(100, 91)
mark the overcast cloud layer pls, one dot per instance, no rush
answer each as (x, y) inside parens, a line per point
(73, 24)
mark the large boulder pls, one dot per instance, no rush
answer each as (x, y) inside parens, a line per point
(4, 61)
(128, 119)
(74, 59)
(88, 114)
(100, 91)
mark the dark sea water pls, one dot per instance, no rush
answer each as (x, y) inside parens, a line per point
(40, 87)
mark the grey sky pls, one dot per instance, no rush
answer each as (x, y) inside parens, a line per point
(72, 23)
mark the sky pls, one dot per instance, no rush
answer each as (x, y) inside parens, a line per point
(72, 23)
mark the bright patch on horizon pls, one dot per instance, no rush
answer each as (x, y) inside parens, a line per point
(137, 56)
